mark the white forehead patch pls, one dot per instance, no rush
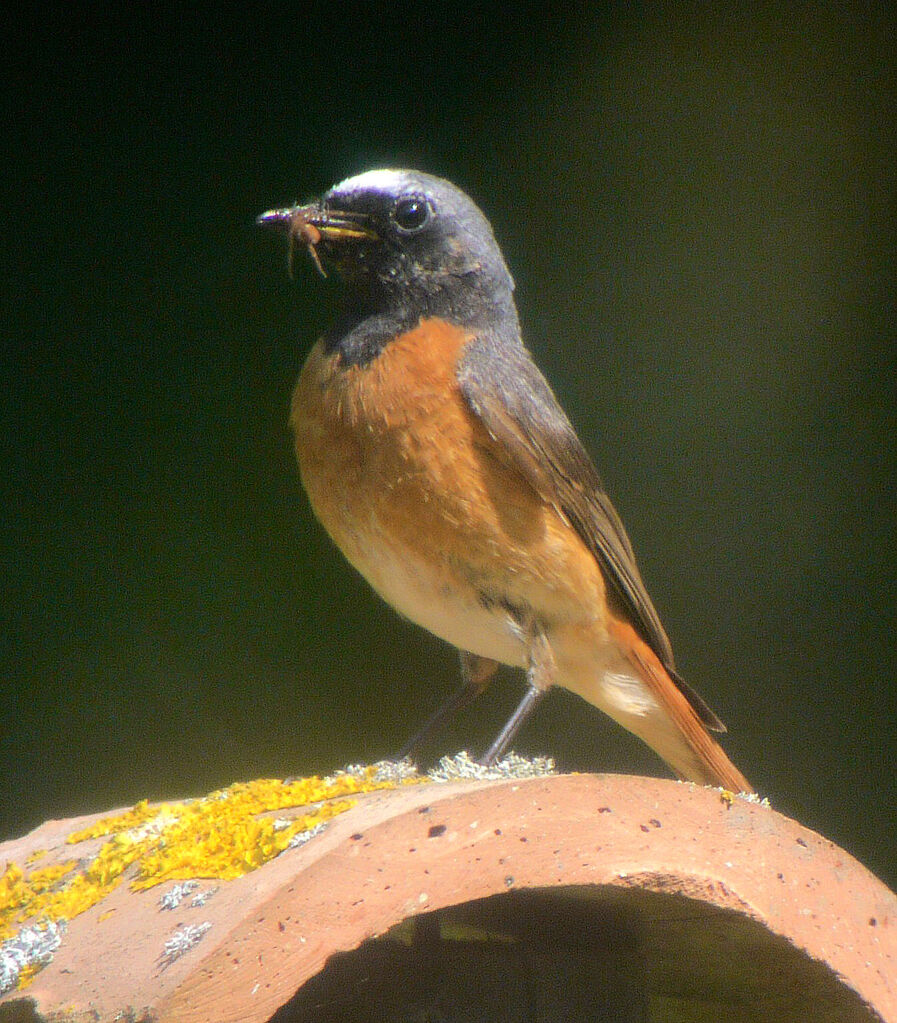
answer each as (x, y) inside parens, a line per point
(382, 180)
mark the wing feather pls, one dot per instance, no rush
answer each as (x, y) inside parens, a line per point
(505, 389)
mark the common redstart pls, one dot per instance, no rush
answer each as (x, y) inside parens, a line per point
(440, 462)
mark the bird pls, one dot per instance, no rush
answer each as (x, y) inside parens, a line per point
(437, 457)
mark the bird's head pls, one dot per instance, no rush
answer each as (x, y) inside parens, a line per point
(402, 238)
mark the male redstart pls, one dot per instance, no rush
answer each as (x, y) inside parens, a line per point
(440, 462)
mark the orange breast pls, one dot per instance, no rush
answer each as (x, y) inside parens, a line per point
(421, 501)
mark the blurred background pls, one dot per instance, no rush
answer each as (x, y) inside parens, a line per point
(698, 208)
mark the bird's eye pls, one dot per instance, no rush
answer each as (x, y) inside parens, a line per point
(411, 213)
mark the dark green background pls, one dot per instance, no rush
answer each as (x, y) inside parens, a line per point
(699, 212)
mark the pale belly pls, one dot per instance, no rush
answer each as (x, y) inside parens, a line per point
(421, 589)
(587, 662)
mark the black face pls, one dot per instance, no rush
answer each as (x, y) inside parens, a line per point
(408, 246)
(403, 237)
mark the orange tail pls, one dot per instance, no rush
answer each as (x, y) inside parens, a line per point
(688, 747)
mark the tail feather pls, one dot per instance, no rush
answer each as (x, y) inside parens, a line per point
(695, 754)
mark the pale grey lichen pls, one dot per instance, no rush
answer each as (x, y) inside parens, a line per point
(385, 771)
(755, 797)
(34, 944)
(461, 767)
(173, 898)
(182, 941)
(301, 837)
(201, 898)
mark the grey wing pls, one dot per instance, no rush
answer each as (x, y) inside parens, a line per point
(505, 389)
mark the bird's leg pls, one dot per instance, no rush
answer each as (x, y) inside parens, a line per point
(540, 676)
(476, 674)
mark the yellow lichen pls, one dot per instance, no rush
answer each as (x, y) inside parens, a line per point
(44, 879)
(223, 836)
(28, 974)
(137, 815)
(219, 840)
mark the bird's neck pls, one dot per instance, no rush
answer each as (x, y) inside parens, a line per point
(367, 325)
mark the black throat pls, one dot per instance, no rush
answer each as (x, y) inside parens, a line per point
(359, 335)
(367, 324)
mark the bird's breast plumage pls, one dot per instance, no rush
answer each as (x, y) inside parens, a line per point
(414, 491)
